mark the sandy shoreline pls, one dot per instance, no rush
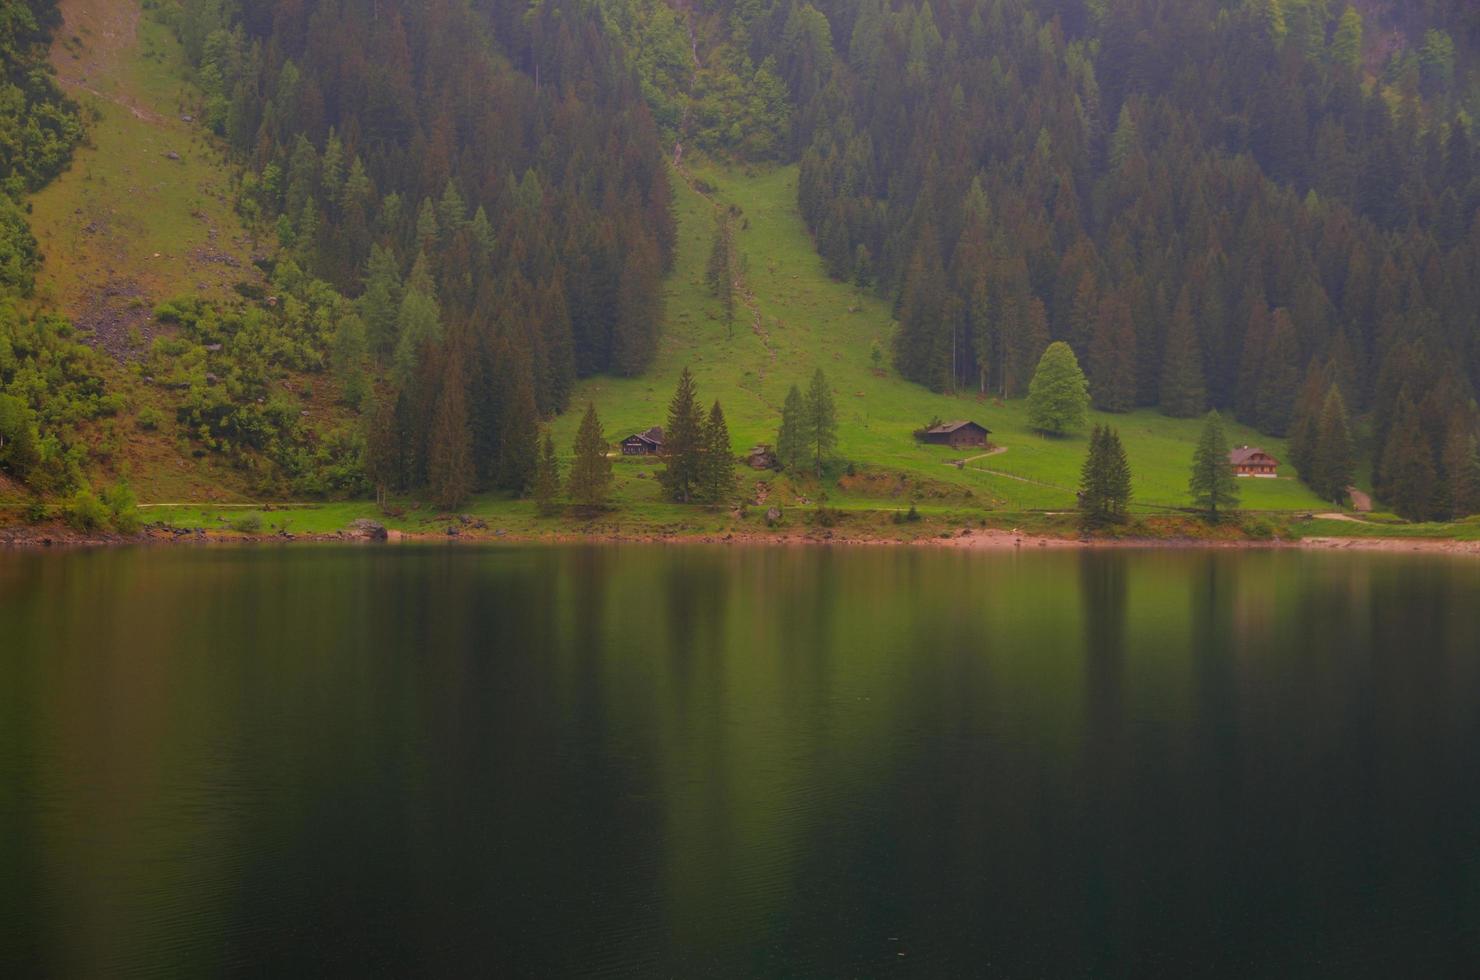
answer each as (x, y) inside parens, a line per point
(30, 538)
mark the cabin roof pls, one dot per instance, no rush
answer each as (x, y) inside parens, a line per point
(1249, 454)
(653, 436)
(946, 428)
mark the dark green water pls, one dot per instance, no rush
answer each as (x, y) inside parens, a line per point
(692, 762)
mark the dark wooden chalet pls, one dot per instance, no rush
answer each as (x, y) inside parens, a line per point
(1253, 461)
(957, 435)
(649, 443)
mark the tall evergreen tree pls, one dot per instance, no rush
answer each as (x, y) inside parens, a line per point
(717, 476)
(821, 421)
(383, 463)
(791, 441)
(519, 438)
(1058, 398)
(683, 441)
(547, 479)
(1333, 458)
(1213, 486)
(1113, 356)
(590, 478)
(1409, 479)
(1183, 392)
(450, 460)
(1105, 480)
(1279, 378)
(1462, 469)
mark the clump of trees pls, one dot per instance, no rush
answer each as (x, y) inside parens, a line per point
(808, 433)
(701, 463)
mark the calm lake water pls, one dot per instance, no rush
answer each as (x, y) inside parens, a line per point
(688, 762)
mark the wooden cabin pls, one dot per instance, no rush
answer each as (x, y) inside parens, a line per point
(649, 443)
(1253, 461)
(957, 435)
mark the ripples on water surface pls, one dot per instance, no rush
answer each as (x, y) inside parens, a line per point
(747, 762)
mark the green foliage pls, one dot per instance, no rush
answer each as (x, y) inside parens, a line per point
(1058, 397)
(683, 442)
(123, 508)
(19, 451)
(590, 477)
(1409, 479)
(84, 511)
(547, 480)
(247, 524)
(1183, 394)
(39, 126)
(820, 421)
(1213, 485)
(717, 469)
(1333, 459)
(450, 463)
(1104, 481)
(791, 439)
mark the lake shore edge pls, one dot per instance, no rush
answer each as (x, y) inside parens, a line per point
(41, 537)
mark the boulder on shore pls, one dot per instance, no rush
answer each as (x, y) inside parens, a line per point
(773, 516)
(367, 529)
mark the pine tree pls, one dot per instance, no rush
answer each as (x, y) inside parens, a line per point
(1213, 486)
(383, 464)
(1105, 480)
(547, 479)
(1183, 392)
(381, 301)
(1113, 356)
(1305, 428)
(1058, 397)
(683, 441)
(1333, 457)
(791, 444)
(1279, 380)
(590, 476)
(820, 425)
(450, 459)
(347, 356)
(717, 476)
(1409, 480)
(519, 438)
(1462, 467)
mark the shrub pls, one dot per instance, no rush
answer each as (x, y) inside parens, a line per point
(123, 508)
(149, 418)
(247, 523)
(85, 512)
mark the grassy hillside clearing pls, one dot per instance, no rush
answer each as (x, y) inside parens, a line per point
(796, 319)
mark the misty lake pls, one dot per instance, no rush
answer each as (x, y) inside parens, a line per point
(688, 761)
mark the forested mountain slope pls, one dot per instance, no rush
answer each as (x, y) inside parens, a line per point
(1244, 204)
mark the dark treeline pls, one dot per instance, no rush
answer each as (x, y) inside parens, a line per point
(485, 178)
(1216, 204)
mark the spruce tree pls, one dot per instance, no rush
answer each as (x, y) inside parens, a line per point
(1279, 380)
(590, 476)
(821, 421)
(1305, 429)
(1113, 356)
(519, 439)
(791, 443)
(1462, 468)
(1183, 392)
(1332, 459)
(1409, 480)
(717, 477)
(547, 479)
(347, 356)
(1105, 480)
(381, 301)
(383, 463)
(1058, 397)
(1213, 486)
(683, 441)
(450, 458)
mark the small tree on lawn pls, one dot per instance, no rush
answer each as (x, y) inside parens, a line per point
(546, 479)
(1213, 486)
(1105, 480)
(821, 426)
(791, 444)
(1058, 396)
(717, 475)
(591, 474)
